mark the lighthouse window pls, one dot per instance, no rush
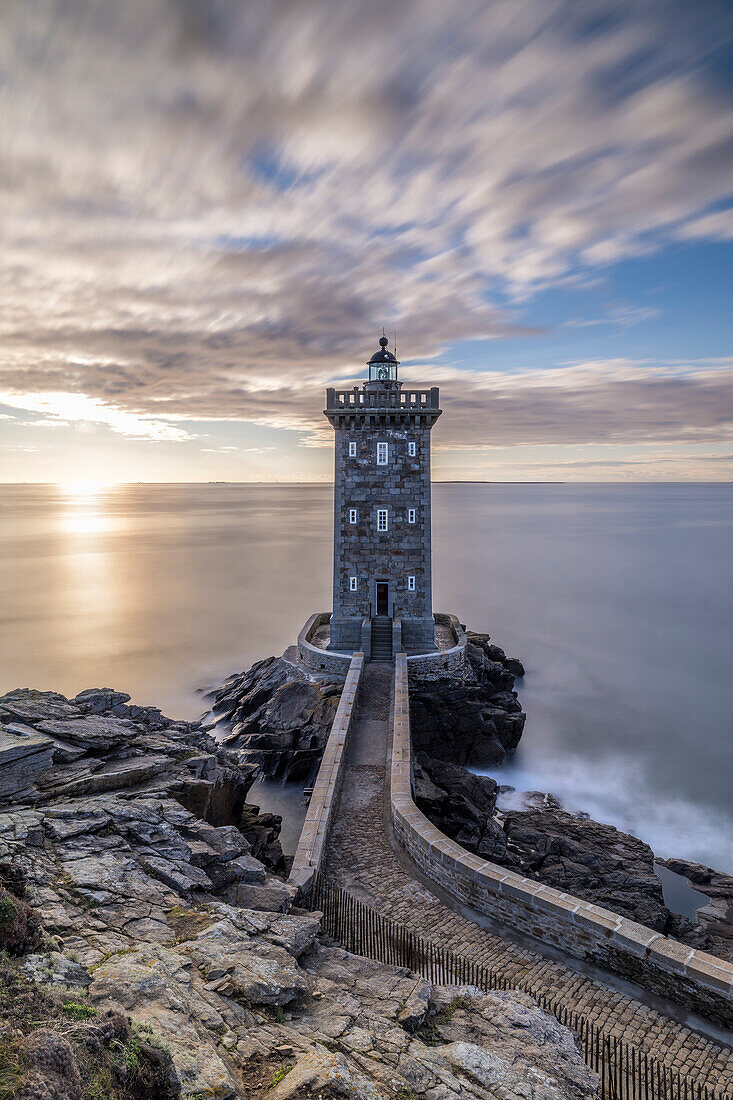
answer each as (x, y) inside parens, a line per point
(410, 584)
(352, 515)
(410, 515)
(382, 454)
(352, 450)
(412, 449)
(352, 584)
(382, 520)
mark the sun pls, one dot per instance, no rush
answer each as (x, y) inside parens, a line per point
(84, 488)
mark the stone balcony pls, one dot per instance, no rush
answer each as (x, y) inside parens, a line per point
(382, 406)
(450, 640)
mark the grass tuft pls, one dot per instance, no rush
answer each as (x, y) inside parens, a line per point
(280, 1074)
(78, 1011)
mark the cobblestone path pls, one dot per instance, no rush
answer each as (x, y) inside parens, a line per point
(361, 859)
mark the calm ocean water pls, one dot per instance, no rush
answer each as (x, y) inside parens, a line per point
(617, 599)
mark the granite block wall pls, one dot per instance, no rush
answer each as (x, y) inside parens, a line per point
(370, 555)
(317, 824)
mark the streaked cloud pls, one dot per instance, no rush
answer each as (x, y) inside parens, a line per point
(77, 408)
(207, 208)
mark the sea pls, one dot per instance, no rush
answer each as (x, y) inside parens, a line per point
(617, 599)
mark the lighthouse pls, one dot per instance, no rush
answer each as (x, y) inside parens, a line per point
(382, 590)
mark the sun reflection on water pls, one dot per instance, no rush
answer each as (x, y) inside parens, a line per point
(85, 513)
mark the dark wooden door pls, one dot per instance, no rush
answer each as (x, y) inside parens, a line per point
(382, 598)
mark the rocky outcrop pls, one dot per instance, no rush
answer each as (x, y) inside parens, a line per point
(461, 804)
(279, 717)
(161, 957)
(475, 718)
(54, 748)
(713, 931)
(587, 859)
(571, 852)
(55, 1046)
(112, 768)
(543, 842)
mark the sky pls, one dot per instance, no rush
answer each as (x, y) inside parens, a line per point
(209, 209)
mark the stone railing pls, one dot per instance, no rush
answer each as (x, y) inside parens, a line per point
(321, 660)
(317, 822)
(427, 665)
(383, 398)
(700, 982)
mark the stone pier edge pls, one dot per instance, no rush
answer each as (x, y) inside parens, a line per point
(695, 979)
(313, 837)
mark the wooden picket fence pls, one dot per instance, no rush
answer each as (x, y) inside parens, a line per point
(626, 1072)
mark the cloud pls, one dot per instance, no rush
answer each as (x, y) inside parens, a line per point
(717, 226)
(625, 316)
(207, 207)
(80, 409)
(605, 401)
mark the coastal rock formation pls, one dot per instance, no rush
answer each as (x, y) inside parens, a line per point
(544, 842)
(587, 859)
(571, 852)
(94, 754)
(279, 717)
(461, 804)
(475, 718)
(141, 960)
(713, 931)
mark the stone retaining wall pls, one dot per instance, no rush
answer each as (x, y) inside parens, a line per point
(694, 979)
(317, 822)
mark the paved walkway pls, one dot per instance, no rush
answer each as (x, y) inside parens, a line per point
(361, 859)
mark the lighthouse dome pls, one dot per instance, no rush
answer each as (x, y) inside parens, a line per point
(383, 355)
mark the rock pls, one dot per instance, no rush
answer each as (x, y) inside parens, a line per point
(323, 1072)
(24, 756)
(571, 852)
(32, 706)
(511, 664)
(544, 1064)
(460, 804)
(474, 718)
(261, 973)
(495, 653)
(154, 985)
(589, 860)
(55, 969)
(92, 734)
(180, 876)
(279, 717)
(271, 897)
(86, 779)
(296, 933)
(99, 700)
(262, 831)
(65, 822)
(245, 869)
(416, 1007)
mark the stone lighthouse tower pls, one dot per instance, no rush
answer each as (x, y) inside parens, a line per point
(381, 551)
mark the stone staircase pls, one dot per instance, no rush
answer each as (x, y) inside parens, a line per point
(381, 638)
